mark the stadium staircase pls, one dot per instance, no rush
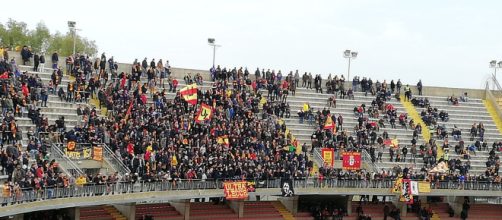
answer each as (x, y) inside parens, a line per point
(464, 116)
(440, 211)
(283, 211)
(161, 211)
(493, 113)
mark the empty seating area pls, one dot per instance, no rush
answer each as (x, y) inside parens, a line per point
(98, 213)
(376, 211)
(485, 212)
(261, 210)
(161, 211)
(209, 210)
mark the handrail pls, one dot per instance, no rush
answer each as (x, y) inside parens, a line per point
(496, 83)
(318, 157)
(128, 187)
(114, 162)
(58, 154)
(366, 157)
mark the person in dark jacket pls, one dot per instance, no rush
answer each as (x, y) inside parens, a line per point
(36, 62)
(42, 63)
(26, 55)
(55, 60)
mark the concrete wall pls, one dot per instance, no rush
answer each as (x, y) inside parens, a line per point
(237, 206)
(183, 207)
(128, 210)
(290, 203)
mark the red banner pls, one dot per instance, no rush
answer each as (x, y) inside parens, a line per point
(235, 190)
(351, 161)
(328, 155)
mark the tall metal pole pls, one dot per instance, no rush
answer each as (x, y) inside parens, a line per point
(348, 71)
(214, 54)
(494, 77)
(74, 40)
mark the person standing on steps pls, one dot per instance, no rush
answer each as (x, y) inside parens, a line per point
(309, 81)
(42, 63)
(36, 62)
(419, 87)
(297, 78)
(55, 60)
(398, 85)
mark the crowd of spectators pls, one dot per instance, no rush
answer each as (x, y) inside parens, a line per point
(157, 139)
(365, 135)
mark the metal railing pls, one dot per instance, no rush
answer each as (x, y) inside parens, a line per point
(30, 194)
(108, 156)
(115, 162)
(318, 157)
(69, 167)
(366, 157)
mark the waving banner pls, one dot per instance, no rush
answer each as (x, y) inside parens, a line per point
(351, 160)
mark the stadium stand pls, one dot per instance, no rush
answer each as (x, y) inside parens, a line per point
(148, 136)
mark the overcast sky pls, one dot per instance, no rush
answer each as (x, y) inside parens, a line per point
(444, 43)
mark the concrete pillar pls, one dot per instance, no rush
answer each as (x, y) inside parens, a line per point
(237, 206)
(18, 217)
(349, 204)
(401, 206)
(457, 204)
(128, 210)
(290, 203)
(404, 209)
(76, 215)
(183, 207)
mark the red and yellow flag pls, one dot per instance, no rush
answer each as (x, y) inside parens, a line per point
(205, 113)
(329, 124)
(223, 140)
(189, 93)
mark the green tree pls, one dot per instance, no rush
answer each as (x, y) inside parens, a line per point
(38, 36)
(15, 34)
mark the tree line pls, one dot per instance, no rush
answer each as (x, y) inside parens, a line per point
(16, 34)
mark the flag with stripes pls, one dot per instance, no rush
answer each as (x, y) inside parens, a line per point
(189, 93)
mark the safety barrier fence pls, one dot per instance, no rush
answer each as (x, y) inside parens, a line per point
(29, 194)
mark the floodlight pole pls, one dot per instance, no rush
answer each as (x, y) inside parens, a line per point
(211, 42)
(214, 54)
(348, 71)
(495, 66)
(349, 55)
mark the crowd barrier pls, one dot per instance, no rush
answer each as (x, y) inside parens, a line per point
(87, 190)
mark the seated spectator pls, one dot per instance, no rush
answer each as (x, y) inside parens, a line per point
(464, 97)
(452, 100)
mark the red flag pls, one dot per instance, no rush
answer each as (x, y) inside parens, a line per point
(329, 124)
(130, 149)
(351, 161)
(189, 93)
(129, 110)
